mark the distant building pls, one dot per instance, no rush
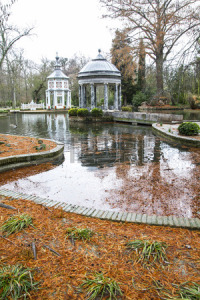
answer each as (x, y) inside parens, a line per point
(58, 94)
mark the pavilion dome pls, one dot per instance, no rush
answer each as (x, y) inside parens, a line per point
(57, 73)
(99, 67)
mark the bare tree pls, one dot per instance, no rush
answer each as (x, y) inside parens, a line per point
(9, 34)
(161, 24)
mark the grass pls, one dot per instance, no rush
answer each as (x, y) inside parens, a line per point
(148, 251)
(16, 223)
(187, 291)
(79, 233)
(16, 282)
(101, 286)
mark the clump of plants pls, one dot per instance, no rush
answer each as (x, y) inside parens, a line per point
(16, 223)
(79, 233)
(189, 128)
(193, 100)
(82, 112)
(138, 98)
(127, 108)
(187, 291)
(97, 112)
(41, 146)
(16, 282)
(148, 252)
(101, 286)
(73, 111)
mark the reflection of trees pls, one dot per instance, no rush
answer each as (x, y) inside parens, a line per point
(163, 187)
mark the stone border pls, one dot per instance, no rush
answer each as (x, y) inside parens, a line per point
(161, 131)
(172, 221)
(17, 161)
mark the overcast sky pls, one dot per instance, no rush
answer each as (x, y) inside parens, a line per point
(65, 26)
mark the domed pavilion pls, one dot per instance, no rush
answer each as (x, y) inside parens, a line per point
(95, 73)
(58, 94)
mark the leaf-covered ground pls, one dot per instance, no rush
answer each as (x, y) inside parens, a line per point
(60, 276)
(16, 145)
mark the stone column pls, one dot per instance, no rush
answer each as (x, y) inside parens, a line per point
(49, 99)
(92, 96)
(116, 97)
(82, 96)
(120, 97)
(63, 98)
(95, 96)
(54, 99)
(68, 99)
(105, 96)
(79, 95)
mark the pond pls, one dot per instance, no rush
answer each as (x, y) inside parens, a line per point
(111, 166)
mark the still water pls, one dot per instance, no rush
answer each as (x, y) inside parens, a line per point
(111, 166)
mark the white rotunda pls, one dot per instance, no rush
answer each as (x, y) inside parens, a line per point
(58, 94)
(99, 72)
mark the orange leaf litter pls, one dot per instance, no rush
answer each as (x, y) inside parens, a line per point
(16, 145)
(60, 276)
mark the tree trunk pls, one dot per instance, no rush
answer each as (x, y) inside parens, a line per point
(159, 73)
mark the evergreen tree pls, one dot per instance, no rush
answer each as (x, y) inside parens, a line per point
(122, 58)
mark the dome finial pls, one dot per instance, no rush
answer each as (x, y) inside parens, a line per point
(99, 51)
(57, 65)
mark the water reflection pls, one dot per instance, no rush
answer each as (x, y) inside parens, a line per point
(111, 166)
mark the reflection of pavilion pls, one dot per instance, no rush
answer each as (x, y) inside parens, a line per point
(117, 144)
(58, 94)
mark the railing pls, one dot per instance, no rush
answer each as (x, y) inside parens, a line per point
(32, 106)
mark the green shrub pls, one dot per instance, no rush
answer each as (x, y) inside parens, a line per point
(138, 99)
(96, 112)
(189, 128)
(82, 112)
(73, 111)
(16, 282)
(127, 108)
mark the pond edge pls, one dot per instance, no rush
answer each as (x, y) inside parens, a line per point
(161, 131)
(22, 160)
(172, 221)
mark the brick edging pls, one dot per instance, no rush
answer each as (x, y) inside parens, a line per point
(173, 221)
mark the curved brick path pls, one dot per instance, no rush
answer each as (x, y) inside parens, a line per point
(109, 215)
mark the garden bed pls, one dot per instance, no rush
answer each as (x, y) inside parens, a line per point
(62, 264)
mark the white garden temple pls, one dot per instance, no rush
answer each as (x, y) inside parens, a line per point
(99, 72)
(58, 94)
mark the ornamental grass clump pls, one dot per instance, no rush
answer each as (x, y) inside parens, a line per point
(79, 233)
(16, 223)
(189, 128)
(16, 282)
(148, 252)
(101, 286)
(189, 290)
